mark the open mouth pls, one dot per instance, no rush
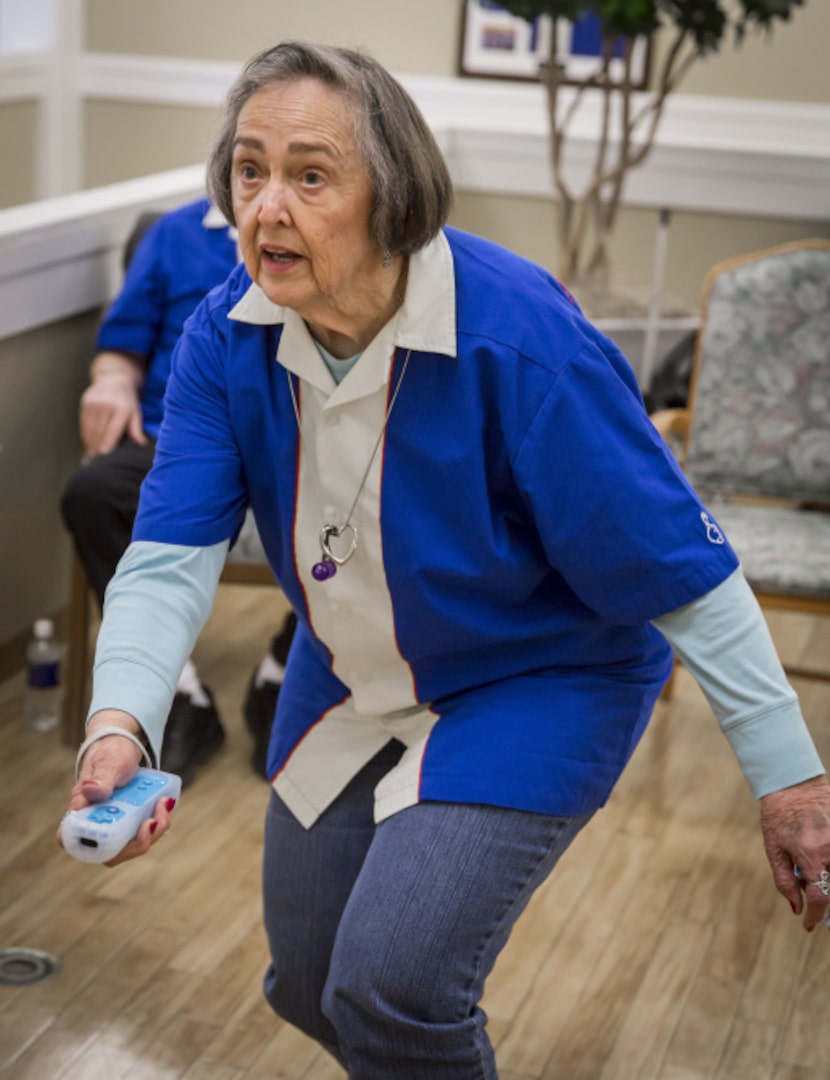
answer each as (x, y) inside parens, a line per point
(279, 258)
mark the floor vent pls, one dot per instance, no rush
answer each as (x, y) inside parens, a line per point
(22, 967)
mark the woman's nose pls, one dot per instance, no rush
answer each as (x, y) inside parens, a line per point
(273, 208)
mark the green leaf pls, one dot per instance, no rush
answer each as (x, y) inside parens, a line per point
(705, 21)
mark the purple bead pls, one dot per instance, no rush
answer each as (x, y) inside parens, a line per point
(322, 571)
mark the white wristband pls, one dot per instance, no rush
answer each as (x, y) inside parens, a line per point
(102, 733)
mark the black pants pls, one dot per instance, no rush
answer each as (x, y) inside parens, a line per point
(99, 507)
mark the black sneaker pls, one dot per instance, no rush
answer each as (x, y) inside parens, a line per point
(258, 710)
(193, 735)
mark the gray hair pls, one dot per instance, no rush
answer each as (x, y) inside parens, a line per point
(411, 185)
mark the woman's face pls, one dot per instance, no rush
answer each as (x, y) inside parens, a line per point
(302, 201)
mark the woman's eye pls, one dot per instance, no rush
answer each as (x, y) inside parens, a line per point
(247, 172)
(312, 177)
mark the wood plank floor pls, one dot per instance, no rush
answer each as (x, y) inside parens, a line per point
(658, 951)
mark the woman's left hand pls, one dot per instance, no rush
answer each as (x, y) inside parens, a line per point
(796, 825)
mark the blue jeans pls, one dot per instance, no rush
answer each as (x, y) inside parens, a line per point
(382, 936)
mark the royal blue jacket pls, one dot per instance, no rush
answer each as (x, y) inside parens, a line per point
(182, 256)
(518, 526)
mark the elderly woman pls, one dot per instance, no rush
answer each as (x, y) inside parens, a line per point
(487, 546)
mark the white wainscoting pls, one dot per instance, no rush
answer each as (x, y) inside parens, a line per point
(60, 255)
(724, 155)
(716, 154)
(23, 76)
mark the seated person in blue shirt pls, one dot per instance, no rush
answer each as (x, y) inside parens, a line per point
(182, 256)
(490, 551)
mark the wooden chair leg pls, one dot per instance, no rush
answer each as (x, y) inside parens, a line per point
(796, 672)
(78, 661)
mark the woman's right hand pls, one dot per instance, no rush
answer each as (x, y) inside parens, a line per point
(110, 405)
(111, 762)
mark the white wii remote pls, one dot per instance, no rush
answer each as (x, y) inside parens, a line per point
(98, 832)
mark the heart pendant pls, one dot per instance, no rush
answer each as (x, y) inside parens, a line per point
(329, 532)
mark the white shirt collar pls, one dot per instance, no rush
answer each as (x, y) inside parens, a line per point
(215, 219)
(425, 321)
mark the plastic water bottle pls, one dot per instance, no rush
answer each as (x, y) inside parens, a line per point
(43, 701)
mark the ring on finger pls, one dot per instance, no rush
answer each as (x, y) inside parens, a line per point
(823, 883)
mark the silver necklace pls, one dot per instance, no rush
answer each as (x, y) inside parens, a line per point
(329, 560)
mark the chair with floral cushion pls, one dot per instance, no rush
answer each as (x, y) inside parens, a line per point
(754, 439)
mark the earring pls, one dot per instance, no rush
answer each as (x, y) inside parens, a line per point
(386, 261)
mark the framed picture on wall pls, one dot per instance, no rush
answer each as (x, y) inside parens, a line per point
(496, 44)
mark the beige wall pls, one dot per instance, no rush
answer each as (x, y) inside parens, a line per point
(407, 37)
(18, 125)
(789, 65)
(696, 241)
(42, 375)
(126, 139)
(422, 38)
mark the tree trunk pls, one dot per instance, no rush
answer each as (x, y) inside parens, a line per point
(585, 222)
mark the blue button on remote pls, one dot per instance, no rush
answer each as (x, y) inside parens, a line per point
(104, 815)
(97, 833)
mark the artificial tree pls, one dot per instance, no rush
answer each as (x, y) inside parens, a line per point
(693, 29)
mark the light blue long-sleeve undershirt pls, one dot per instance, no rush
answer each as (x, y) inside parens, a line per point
(162, 594)
(723, 639)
